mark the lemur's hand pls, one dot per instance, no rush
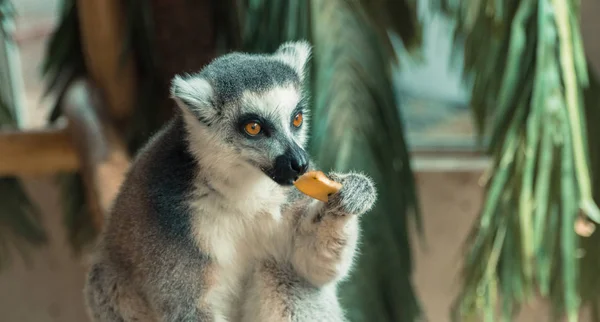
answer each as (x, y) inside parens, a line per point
(356, 197)
(325, 241)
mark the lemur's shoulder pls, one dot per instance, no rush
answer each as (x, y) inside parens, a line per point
(147, 244)
(153, 205)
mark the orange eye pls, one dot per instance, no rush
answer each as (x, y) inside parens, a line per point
(252, 128)
(298, 120)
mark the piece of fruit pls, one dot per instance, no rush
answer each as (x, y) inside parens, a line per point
(316, 185)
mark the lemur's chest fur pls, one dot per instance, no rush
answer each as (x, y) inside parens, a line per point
(238, 226)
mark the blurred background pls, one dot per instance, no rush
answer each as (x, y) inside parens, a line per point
(476, 119)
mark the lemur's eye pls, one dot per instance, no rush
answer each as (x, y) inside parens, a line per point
(298, 120)
(252, 128)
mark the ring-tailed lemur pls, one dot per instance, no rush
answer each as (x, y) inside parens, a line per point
(207, 225)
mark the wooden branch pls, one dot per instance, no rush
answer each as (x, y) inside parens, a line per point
(103, 36)
(104, 158)
(36, 152)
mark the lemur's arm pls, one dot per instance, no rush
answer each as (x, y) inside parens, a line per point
(326, 234)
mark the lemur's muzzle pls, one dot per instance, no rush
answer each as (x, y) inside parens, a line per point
(290, 165)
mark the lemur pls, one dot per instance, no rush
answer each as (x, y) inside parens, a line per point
(208, 226)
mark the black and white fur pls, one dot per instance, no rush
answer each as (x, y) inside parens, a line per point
(207, 226)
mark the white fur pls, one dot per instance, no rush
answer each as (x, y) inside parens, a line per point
(194, 93)
(244, 225)
(295, 54)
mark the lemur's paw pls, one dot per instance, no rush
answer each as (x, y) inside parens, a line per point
(357, 196)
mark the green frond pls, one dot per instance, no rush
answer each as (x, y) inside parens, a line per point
(526, 63)
(63, 58)
(399, 17)
(357, 126)
(268, 23)
(6, 10)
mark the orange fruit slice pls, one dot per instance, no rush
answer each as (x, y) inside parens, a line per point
(316, 185)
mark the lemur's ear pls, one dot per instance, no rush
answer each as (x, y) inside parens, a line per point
(196, 95)
(296, 54)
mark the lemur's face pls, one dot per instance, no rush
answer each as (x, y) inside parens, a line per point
(269, 131)
(252, 109)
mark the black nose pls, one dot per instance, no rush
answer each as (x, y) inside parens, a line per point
(299, 164)
(289, 166)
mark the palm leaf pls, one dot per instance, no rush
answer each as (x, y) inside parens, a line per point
(268, 23)
(399, 17)
(525, 59)
(63, 58)
(356, 125)
(6, 10)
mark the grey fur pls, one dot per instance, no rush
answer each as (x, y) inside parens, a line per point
(147, 249)
(230, 74)
(198, 232)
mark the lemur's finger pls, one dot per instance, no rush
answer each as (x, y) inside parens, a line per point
(315, 184)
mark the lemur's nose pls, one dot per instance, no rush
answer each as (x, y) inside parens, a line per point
(290, 165)
(299, 164)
